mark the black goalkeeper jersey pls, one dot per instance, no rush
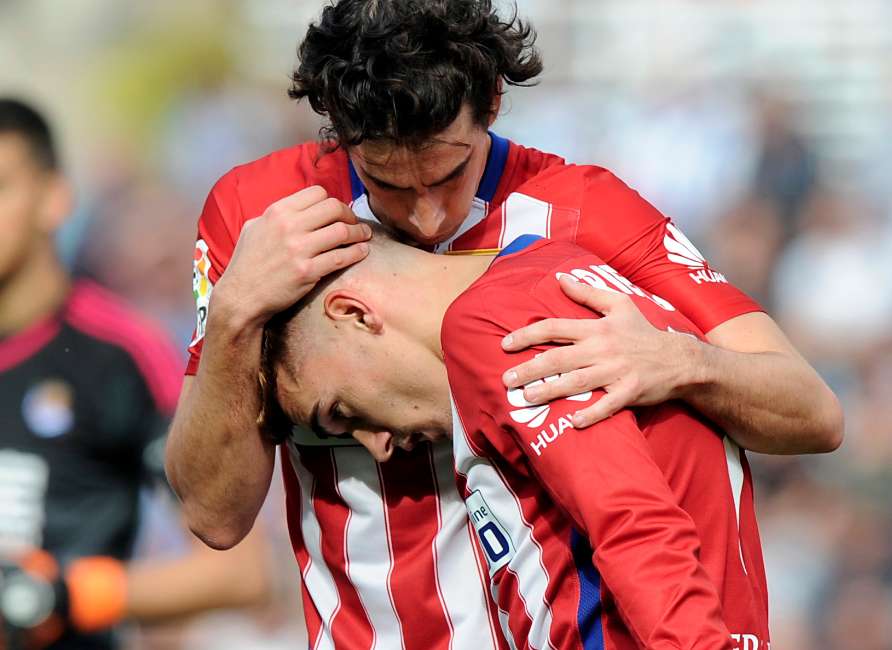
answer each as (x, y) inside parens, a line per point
(85, 398)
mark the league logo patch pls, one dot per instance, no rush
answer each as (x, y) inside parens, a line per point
(201, 288)
(48, 408)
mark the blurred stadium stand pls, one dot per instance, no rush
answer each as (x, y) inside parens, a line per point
(763, 127)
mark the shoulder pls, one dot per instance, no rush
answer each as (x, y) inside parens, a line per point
(523, 163)
(568, 181)
(254, 185)
(106, 319)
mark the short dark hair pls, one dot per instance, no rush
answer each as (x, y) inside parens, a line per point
(401, 70)
(18, 117)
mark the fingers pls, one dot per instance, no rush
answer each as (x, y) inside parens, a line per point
(617, 398)
(550, 330)
(569, 384)
(323, 213)
(303, 199)
(334, 235)
(599, 300)
(549, 363)
(337, 259)
(310, 209)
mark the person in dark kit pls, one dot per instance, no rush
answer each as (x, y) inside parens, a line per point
(86, 390)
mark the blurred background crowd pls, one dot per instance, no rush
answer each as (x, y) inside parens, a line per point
(762, 127)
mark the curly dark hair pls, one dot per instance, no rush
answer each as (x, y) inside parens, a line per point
(401, 70)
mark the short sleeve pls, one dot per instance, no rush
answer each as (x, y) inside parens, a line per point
(218, 228)
(631, 235)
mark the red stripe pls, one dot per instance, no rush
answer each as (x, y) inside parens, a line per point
(550, 532)
(350, 625)
(430, 456)
(26, 344)
(294, 513)
(519, 621)
(389, 536)
(101, 314)
(409, 491)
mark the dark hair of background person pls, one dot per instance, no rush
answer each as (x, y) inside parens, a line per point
(20, 118)
(401, 70)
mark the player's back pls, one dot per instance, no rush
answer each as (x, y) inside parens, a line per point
(540, 559)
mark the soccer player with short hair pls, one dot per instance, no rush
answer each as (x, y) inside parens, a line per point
(637, 532)
(87, 389)
(410, 90)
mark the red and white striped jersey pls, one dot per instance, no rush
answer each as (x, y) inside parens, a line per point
(386, 551)
(638, 532)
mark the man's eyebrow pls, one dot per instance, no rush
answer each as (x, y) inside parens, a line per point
(448, 177)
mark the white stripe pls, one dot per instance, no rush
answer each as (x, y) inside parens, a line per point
(477, 213)
(317, 579)
(524, 215)
(370, 561)
(503, 619)
(527, 563)
(363, 210)
(461, 588)
(735, 475)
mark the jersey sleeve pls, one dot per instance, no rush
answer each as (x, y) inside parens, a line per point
(631, 235)
(218, 229)
(645, 546)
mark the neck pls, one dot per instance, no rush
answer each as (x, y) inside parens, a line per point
(33, 292)
(443, 279)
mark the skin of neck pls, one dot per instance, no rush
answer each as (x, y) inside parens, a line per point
(35, 290)
(423, 291)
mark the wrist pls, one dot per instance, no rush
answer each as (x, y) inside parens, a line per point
(232, 315)
(693, 365)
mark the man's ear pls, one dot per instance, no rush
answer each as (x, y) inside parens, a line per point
(57, 202)
(496, 104)
(343, 305)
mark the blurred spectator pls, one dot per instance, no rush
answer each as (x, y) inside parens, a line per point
(786, 166)
(134, 246)
(88, 387)
(746, 243)
(832, 296)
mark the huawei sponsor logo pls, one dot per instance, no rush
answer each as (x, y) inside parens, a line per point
(533, 415)
(682, 251)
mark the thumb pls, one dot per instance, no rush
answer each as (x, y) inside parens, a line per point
(602, 301)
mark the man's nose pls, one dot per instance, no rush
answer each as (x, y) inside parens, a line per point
(378, 443)
(428, 214)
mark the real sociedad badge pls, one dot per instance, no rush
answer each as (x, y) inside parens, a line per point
(48, 408)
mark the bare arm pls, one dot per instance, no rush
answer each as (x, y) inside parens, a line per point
(217, 460)
(754, 383)
(748, 379)
(165, 590)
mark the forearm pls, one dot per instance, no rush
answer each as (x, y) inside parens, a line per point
(218, 462)
(768, 402)
(165, 590)
(646, 546)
